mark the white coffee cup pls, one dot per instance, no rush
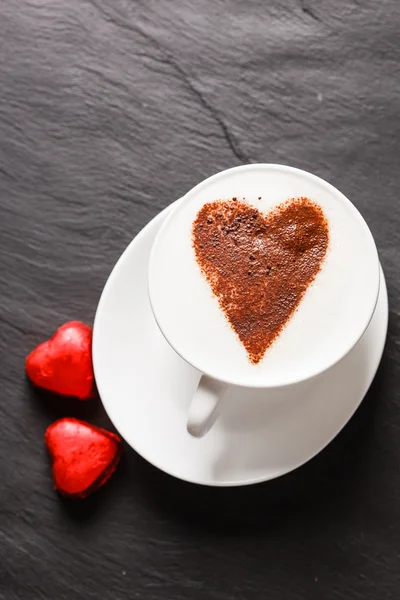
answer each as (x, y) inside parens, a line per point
(329, 321)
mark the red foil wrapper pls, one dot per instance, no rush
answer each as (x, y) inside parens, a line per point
(63, 364)
(83, 456)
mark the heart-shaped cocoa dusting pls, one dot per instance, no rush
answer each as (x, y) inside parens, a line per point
(260, 266)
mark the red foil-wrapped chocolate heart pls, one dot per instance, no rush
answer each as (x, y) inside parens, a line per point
(63, 364)
(83, 456)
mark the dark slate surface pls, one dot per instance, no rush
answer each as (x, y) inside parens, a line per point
(110, 110)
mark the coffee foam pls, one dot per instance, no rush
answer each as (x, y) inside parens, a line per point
(331, 317)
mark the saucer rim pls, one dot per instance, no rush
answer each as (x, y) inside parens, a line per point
(226, 483)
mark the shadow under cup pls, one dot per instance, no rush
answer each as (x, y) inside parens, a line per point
(329, 320)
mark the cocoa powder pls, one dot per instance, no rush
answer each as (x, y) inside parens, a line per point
(260, 266)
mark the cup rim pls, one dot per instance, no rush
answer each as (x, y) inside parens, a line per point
(250, 167)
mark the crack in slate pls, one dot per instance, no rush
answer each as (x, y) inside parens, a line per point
(309, 12)
(240, 155)
(168, 59)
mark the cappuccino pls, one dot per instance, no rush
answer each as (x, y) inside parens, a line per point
(264, 276)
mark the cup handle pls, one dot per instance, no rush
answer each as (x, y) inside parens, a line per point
(203, 410)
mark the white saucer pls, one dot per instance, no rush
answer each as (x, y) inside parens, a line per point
(146, 389)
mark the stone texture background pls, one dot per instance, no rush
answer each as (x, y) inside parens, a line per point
(109, 111)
